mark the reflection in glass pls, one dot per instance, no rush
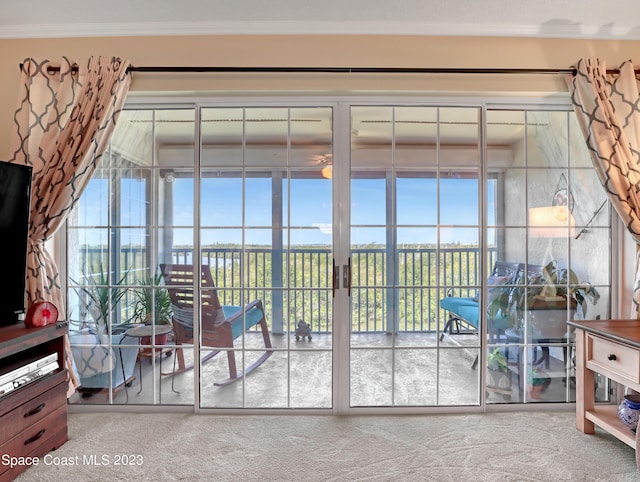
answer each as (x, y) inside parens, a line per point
(548, 139)
(505, 134)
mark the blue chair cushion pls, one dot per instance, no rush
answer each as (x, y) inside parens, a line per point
(252, 317)
(465, 308)
(468, 309)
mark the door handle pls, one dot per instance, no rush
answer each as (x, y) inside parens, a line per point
(346, 276)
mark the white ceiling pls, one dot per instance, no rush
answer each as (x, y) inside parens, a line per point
(617, 19)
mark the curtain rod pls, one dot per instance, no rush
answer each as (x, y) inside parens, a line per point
(353, 70)
(337, 70)
(349, 70)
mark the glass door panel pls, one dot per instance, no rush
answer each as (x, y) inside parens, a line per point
(414, 231)
(127, 224)
(545, 193)
(266, 226)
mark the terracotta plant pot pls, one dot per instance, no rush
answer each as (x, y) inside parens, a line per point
(159, 341)
(537, 387)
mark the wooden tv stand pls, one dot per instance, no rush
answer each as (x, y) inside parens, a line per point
(611, 348)
(33, 417)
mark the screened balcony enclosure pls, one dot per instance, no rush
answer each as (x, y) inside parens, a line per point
(357, 220)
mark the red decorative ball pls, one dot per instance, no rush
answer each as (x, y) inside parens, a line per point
(41, 313)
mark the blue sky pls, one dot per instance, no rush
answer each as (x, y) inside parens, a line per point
(309, 211)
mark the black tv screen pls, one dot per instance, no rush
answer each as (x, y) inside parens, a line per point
(15, 200)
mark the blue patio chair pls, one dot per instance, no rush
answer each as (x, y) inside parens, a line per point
(464, 312)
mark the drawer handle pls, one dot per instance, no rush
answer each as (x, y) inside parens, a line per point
(38, 409)
(35, 437)
(611, 357)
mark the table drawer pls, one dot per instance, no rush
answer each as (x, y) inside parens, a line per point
(613, 359)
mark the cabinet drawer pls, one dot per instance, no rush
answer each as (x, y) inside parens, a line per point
(32, 411)
(37, 440)
(613, 359)
(26, 393)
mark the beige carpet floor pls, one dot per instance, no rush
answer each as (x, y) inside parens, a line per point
(522, 446)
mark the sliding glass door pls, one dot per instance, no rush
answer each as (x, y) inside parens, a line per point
(315, 256)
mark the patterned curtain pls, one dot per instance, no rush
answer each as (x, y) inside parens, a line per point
(608, 110)
(66, 114)
(63, 123)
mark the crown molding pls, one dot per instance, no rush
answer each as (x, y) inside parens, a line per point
(141, 29)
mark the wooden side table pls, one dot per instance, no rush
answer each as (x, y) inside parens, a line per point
(611, 348)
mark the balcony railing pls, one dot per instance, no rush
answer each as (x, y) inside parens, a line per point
(388, 293)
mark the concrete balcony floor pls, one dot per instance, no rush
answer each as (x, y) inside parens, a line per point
(417, 372)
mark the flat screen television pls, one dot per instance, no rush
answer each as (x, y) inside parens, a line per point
(15, 206)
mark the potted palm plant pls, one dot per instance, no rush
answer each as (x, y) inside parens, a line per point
(153, 306)
(102, 298)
